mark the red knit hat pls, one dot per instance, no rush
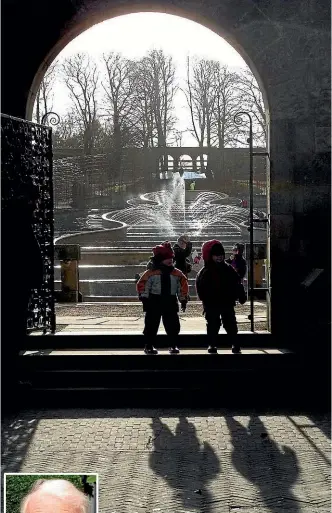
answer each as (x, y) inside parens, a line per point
(207, 247)
(163, 251)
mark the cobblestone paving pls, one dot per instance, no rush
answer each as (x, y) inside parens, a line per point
(181, 461)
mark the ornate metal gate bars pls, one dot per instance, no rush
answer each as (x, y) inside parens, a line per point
(26, 154)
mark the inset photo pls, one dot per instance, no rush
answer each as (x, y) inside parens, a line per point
(50, 493)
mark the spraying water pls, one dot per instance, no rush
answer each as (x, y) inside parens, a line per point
(167, 213)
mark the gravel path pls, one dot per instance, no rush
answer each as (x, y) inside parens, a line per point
(134, 309)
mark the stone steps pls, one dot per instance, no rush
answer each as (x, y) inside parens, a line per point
(117, 371)
(139, 245)
(108, 271)
(118, 287)
(100, 272)
(113, 287)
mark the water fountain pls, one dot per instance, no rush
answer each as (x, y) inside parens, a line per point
(169, 213)
(112, 257)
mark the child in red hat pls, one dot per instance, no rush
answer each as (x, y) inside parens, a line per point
(218, 287)
(159, 289)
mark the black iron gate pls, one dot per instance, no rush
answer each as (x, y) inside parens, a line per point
(238, 119)
(26, 158)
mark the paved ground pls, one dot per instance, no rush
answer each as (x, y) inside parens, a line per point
(131, 325)
(134, 309)
(129, 318)
(181, 461)
(139, 352)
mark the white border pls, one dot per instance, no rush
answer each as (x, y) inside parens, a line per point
(51, 474)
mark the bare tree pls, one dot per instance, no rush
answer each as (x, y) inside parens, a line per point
(214, 94)
(143, 111)
(119, 86)
(45, 94)
(156, 75)
(67, 133)
(139, 99)
(161, 70)
(81, 77)
(227, 103)
(251, 100)
(200, 93)
(178, 137)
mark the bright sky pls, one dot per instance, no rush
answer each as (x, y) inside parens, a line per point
(134, 34)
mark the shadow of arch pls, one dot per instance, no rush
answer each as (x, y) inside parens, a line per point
(17, 433)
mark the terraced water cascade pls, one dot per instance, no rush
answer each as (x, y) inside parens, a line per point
(110, 262)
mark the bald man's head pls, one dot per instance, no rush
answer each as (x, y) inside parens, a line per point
(54, 496)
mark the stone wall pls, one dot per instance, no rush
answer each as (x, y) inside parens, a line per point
(229, 163)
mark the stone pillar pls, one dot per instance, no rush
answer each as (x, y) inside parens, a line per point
(69, 256)
(176, 164)
(299, 204)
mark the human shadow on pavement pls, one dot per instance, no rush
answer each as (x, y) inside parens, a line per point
(17, 433)
(271, 468)
(184, 463)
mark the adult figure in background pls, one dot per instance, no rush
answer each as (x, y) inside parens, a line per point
(237, 261)
(182, 251)
(55, 496)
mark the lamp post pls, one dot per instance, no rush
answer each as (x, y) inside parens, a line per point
(238, 120)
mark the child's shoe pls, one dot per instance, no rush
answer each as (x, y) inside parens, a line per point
(236, 349)
(174, 350)
(212, 350)
(149, 349)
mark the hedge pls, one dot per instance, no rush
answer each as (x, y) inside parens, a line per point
(18, 486)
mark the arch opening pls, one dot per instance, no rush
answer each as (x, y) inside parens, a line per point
(186, 163)
(166, 166)
(108, 13)
(202, 162)
(193, 163)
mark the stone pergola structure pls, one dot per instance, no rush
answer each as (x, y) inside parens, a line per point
(234, 160)
(214, 156)
(287, 46)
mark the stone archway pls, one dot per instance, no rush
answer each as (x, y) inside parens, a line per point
(285, 47)
(186, 163)
(101, 11)
(202, 162)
